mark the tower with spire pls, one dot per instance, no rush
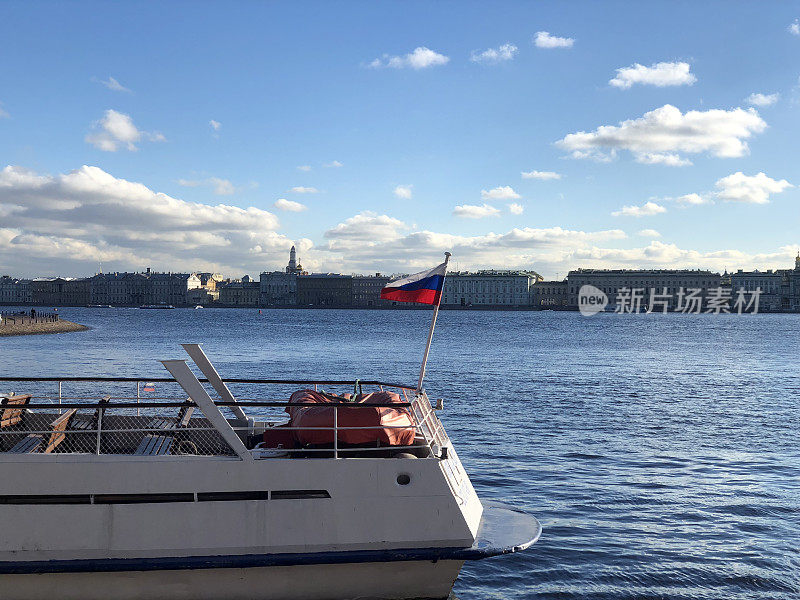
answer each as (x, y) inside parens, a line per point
(293, 267)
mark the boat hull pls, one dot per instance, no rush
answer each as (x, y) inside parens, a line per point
(384, 580)
(382, 574)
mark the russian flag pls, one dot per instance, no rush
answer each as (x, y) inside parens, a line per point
(424, 288)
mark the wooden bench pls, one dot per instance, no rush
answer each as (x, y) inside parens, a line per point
(33, 442)
(13, 409)
(87, 423)
(154, 444)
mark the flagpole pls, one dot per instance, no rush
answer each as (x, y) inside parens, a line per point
(433, 324)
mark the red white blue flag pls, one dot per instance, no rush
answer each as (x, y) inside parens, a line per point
(424, 288)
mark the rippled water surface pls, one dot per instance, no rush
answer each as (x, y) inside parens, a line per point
(660, 452)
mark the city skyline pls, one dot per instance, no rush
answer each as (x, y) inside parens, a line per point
(544, 137)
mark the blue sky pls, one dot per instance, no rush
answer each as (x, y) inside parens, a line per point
(301, 103)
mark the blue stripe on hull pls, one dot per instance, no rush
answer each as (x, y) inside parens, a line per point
(238, 561)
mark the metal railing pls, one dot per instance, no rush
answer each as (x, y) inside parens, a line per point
(124, 423)
(24, 318)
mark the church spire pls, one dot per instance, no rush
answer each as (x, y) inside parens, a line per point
(292, 266)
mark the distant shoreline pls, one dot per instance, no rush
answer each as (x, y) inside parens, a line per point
(494, 307)
(60, 326)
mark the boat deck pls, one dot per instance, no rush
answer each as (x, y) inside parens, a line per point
(81, 416)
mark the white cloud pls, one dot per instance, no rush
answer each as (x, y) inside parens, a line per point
(762, 99)
(215, 125)
(545, 40)
(693, 199)
(661, 255)
(300, 189)
(515, 209)
(661, 74)
(66, 223)
(420, 58)
(305, 168)
(543, 175)
(494, 55)
(669, 159)
(648, 209)
(117, 130)
(368, 227)
(794, 28)
(503, 192)
(649, 233)
(221, 187)
(408, 250)
(334, 164)
(112, 84)
(404, 191)
(289, 205)
(754, 189)
(3, 114)
(475, 211)
(666, 130)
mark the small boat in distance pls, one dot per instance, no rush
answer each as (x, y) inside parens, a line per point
(359, 494)
(99, 306)
(157, 306)
(198, 307)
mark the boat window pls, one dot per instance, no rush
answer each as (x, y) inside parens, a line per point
(141, 498)
(298, 494)
(162, 498)
(227, 496)
(47, 499)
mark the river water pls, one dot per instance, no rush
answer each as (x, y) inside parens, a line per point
(659, 452)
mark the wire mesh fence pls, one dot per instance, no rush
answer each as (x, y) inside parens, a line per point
(109, 429)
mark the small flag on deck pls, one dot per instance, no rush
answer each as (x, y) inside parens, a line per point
(424, 288)
(149, 387)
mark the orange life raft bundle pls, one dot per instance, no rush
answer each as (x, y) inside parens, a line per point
(388, 426)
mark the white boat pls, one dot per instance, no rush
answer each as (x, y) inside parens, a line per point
(198, 307)
(106, 494)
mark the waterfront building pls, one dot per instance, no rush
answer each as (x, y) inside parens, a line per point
(172, 288)
(59, 291)
(769, 282)
(110, 288)
(240, 293)
(324, 289)
(201, 296)
(76, 292)
(138, 288)
(549, 294)
(790, 287)
(15, 291)
(209, 281)
(47, 291)
(367, 290)
(135, 289)
(279, 288)
(651, 281)
(489, 288)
